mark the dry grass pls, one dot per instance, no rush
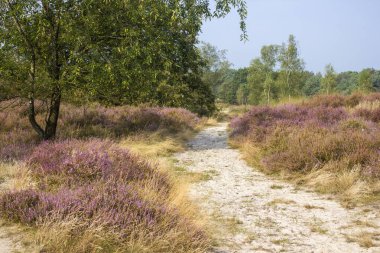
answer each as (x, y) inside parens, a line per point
(328, 143)
(307, 206)
(364, 239)
(276, 187)
(276, 202)
(369, 105)
(15, 176)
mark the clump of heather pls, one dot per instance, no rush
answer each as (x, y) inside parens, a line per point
(102, 186)
(17, 138)
(74, 162)
(110, 198)
(304, 138)
(120, 121)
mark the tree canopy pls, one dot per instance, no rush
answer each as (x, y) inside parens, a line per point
(114, 52)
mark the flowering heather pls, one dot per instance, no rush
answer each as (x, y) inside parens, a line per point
(99, 188)
(111, 204)
(17, 138)
(120, 121)
(81, 162)
(314, 135)
(261, 120)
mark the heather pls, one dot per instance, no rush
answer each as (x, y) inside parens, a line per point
(88, 187)
(317, 142)
(17, 137)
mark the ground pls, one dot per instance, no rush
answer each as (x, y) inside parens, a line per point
(251, 212)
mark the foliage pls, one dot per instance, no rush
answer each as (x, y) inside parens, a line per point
(328, 82)
(278, 75)
(114, 52)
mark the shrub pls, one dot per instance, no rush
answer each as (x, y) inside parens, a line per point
(76, 162)
(17, 138)
(372, 115)
(304, 138)
(102, 186)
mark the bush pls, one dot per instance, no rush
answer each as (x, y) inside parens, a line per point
(304, 138)
(103, 195)
(104, 187)
(17, 138)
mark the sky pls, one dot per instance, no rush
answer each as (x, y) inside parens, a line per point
(345, 33)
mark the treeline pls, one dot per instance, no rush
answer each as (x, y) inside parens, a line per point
(279, 73)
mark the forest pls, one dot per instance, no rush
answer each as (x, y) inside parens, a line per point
(278, 74)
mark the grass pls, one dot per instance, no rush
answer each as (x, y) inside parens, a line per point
(276, 187)
(281, 241)
(307, 143)
(107, 184)
(364, 239)
(276, 202)
(307, 206)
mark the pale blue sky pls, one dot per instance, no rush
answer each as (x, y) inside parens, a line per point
(345, 33)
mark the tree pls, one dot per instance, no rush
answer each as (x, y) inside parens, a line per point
(312, 85)
(216, 67)
(328, 82)
(234, 78)
(291, 66)
(347, 82)
(242, 94)
(269, 56)
(365, 80)
(256, 79)
(376, 80)
(116, 52)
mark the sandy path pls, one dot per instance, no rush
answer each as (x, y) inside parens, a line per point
(254, 213)
(6, 245)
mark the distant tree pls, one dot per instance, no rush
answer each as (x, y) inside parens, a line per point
(365, 82)
(291, 67)
(312, 85)
(269, 56)
(216, 69)
(328, 82)
(268, 89)
(376, 80)
(232, 83)
(242, 94)
(347, 82)
(256, 79)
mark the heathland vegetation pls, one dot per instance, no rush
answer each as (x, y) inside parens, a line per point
(87, 191)
(330, 143)
(95, 97)
(78, 162)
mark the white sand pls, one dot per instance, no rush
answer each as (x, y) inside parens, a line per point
(251, 212)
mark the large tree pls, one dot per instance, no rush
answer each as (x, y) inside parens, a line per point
(116, 52)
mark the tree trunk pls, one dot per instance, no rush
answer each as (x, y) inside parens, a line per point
(52, 120)
(31, 111)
